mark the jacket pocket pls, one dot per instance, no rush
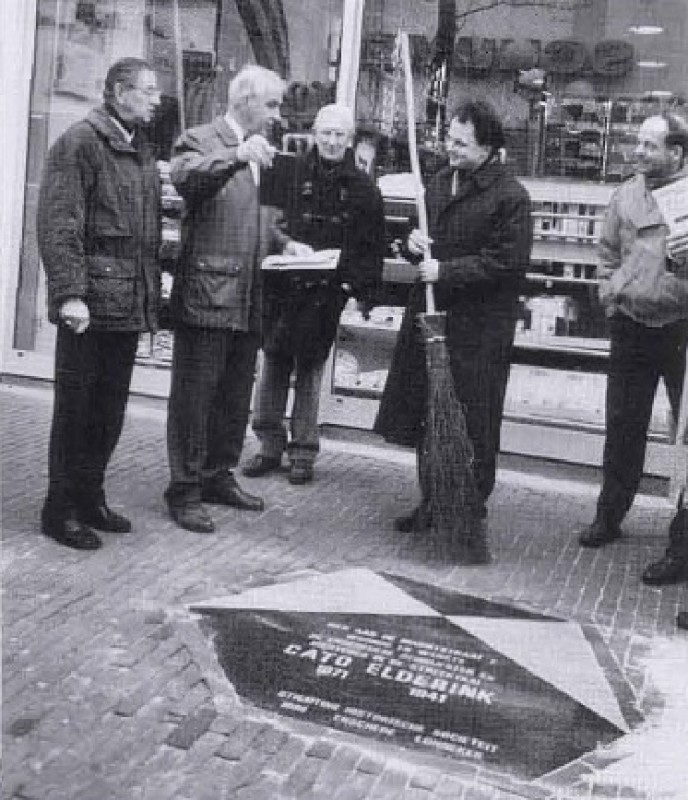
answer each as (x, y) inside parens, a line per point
(214, 283)
(111, 287)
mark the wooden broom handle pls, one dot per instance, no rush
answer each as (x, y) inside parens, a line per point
(413, 153)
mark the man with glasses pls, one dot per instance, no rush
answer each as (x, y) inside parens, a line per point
(480, 236)
(98, 234)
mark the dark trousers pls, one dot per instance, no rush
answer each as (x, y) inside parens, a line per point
(210, 399)
(271, 406)
(638, 358)
(480, 366)
(92, 377)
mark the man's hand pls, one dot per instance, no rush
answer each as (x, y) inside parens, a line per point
(257, 149)
(677, 246)
(74, 314)
(429, 270)
(418, 243)
(298, 249)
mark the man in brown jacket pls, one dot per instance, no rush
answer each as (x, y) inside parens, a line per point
(217, 295)
(98, 235)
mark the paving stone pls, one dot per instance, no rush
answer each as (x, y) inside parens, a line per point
(283, 760)
(266, 788)
(162, 632)
(240, 739)
(356, 787)
(302, 777)
(449, 787)
(155, 617)
(337, 770)
(321, 749)
(192, 728)
(424, 780)
(225, 723)
(270, 741)
(371, 766)
(390, 785)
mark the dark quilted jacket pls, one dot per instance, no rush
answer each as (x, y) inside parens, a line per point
(99, 225)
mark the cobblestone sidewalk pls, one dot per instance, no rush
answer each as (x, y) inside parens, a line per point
(111, 693)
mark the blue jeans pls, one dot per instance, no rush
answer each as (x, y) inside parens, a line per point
(302, 440)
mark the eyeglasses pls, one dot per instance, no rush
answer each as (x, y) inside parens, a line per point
(147, 90)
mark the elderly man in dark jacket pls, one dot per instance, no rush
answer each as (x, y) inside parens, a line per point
(98, 234)
(480, 237)
(217, 295)
(333, 205)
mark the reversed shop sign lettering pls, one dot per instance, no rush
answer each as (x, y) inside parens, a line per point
(481, 55)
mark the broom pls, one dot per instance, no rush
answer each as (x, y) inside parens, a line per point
(445, 457)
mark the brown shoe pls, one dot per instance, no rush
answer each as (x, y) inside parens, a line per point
(261, 465)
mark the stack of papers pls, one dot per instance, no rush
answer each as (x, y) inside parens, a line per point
(323, 260)
(673, 203)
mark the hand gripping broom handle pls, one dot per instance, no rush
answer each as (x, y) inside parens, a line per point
(413, 153)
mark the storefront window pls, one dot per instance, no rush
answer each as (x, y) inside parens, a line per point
(571, 80)
(195, 46)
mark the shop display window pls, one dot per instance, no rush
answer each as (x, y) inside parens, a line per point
(569, 82)
(195, 47)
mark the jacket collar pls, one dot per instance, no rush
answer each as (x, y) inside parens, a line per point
(347, 166)
(226, 132)
(103, 124)
(479, 180)
(677, 176)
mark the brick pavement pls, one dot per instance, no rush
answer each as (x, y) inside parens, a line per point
(111, 692)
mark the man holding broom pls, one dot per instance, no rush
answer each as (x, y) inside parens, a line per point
(480, 236)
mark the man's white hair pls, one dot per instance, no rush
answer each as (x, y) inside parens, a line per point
(337, 114)
(253, 81)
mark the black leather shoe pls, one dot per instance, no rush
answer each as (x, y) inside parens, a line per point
(668, 570)
(261, 465)
(103, 518)
(225, 491)
(71, 533)
(192, 517)
(415, 522)
(300, 472)
(599, 533)
(471, 555)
